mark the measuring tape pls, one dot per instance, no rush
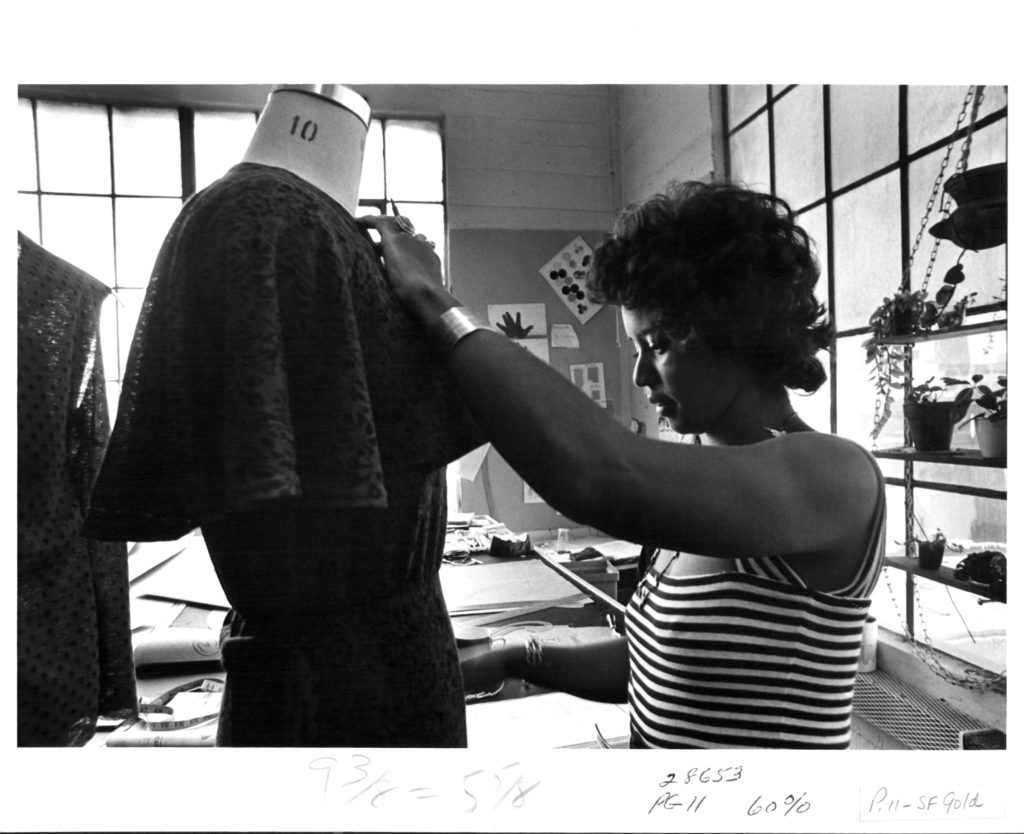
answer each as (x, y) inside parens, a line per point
(158, 714)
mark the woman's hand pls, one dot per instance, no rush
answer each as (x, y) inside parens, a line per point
(411, 265)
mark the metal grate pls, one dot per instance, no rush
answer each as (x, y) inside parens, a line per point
(909, 716)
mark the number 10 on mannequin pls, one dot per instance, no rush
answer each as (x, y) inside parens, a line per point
(318, 132)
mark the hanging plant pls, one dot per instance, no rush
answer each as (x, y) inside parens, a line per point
(907, 313)
(910, 312)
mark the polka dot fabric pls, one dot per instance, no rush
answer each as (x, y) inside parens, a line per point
(74, 632)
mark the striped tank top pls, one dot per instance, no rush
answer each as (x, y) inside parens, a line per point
(750, 657)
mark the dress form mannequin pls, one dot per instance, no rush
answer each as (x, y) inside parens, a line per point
(278, 398)
(317, 132)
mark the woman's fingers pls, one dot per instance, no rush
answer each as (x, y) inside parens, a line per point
(409, 259)
(382, 223)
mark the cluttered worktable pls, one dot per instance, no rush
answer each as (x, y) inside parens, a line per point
(498, 585)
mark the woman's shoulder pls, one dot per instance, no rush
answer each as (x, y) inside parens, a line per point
(824, 467)
(824, 443)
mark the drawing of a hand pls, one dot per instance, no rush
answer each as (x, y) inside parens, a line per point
(514, 329)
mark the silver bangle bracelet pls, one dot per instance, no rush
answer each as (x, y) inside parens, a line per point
(454, 325)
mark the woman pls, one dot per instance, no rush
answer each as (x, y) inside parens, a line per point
(766, 535)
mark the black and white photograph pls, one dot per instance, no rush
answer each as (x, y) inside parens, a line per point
(292, 501)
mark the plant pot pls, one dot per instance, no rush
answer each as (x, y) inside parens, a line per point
(980, 219)
(991, 437)
(904, 322)
(929, 554)
(931, 424)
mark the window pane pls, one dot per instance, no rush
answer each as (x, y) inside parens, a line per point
(744, 99)
(815, 408)
(932, 113)
(117, 326)
(147, 151)
(748, 155)
(414, 160)
(371, 183)
(800, 146)
(855, 398)
(79, 230)
(813, 222)
(864, 134)
(128, 309)
(28, 215)
(82, 165)
(867, 249)
(142, 225)
(26, 154)
(221, 140)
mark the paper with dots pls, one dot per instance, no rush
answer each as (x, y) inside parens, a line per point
(566, 274)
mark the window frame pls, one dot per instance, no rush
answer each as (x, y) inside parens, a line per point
(901, 165)
(116, 354)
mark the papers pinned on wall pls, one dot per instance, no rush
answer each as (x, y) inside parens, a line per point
(566, 274)
(519, 321)
(524, 324)
(563, 336)
(589, 379)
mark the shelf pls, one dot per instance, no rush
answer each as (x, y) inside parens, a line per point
(952, 333)
(954, 457)
(944, 576)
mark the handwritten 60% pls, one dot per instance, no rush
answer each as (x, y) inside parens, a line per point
(792, 804)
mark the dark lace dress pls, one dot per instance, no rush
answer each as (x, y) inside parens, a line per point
(74, 630)
(278, 397)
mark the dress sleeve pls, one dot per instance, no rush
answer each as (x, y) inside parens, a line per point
(245, 381)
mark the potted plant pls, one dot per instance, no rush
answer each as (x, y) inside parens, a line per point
(930, 551)
(991, 421)
(906, 313)
(932, 413)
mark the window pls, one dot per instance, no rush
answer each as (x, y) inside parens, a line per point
(404, 161)
(858, 163)
(99, 185)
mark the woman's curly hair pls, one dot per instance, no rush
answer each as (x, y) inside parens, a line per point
(729, 264)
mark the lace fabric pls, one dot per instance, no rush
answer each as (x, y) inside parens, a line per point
(270, 361)
(278, 397)
(74, 632)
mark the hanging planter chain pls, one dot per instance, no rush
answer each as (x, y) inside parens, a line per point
(886, 357)
(971, 679)
(977, 94)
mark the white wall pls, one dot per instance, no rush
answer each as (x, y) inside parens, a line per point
(518, 157)
(664, 132)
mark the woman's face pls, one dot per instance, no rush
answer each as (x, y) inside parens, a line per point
(691, 388)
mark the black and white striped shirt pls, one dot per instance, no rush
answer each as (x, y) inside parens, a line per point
(748, 658)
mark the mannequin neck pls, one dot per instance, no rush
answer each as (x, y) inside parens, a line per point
(314, 137)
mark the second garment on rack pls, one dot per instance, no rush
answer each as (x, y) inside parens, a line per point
(74, 630)
(278, 397)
